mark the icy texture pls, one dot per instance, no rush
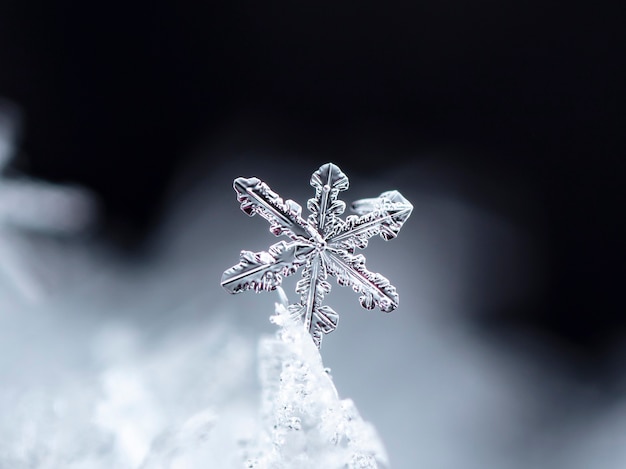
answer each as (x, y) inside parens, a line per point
(304, 424)
(323, 245)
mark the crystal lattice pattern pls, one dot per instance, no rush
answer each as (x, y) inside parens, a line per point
(323, 245)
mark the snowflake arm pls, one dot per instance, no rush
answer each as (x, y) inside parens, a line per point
(318, 319)
(284, 216)
(264, 270)
(375, 289)
(383, 215)
(324, 207)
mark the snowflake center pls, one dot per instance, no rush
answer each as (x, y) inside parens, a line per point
(319, 245)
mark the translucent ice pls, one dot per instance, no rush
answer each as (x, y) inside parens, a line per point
(324, 245)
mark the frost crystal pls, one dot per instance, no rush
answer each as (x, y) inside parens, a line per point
(323, 245)
(304, 424)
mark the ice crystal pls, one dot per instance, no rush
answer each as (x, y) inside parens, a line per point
(323, 245)
(304, 424)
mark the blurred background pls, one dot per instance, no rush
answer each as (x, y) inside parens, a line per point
(502, 123)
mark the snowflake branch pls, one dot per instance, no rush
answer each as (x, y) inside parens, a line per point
(284, 216)
(376, 289)
(264, 270)
(317, 319)
(324, 207)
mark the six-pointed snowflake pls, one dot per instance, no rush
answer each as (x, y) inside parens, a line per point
(324, 244)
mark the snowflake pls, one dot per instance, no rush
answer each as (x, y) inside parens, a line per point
(323, 244)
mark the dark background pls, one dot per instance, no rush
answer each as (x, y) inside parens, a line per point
(116, 94)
